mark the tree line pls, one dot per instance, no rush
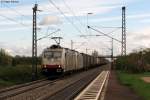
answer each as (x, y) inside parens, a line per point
(7, 60)
(137, 61)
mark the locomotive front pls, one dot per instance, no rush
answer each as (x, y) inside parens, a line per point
(52, 61)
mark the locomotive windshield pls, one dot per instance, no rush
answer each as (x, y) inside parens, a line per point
(52, 54)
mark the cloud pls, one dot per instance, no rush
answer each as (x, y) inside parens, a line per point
(18, 49)
(143, 34)
(138, 16)
(96, 6)
(140, 38)
(80, 8)
(144, 37)
(50, 20)
(94, 10)
(115, 18)
(18, 11)
(15, 29)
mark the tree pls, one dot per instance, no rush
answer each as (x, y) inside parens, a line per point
(5, 58)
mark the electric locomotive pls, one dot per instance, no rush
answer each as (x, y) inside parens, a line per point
(58, 60)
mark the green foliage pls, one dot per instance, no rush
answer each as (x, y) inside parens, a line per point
(135, 82)
(134, 62)
(5, 58)
(22, 60)
(15, 75)
(8, 60)
(15, 70)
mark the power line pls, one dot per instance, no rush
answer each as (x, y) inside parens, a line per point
(100, 26)
(13, 20)
(113, 31)
(68, 19)
(72, 12)
(65, 17)
(90, 35)
(10, 19)
(104, 34)
(48, 35)
(14, 10)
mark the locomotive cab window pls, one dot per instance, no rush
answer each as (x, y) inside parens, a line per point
(57, 54)
(52, 54)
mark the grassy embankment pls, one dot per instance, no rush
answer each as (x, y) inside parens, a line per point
(12, 75)
(135, 82)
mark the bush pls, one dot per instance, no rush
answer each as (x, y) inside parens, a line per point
(134, 62)
(17, 74)
(5, 58)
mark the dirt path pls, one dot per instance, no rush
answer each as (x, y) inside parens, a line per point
(115, 91)
(146, 79)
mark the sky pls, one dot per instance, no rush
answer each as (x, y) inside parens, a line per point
(71, 18)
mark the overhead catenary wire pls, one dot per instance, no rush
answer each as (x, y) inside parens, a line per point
(100, 26)
(68, 19)
(113, 31)
(74, 15)
(65, 16)
(104, 34)
(115, 28)
(17, 12)
(13, 20)
(69, 8)
(100, 35)
(48, 35)
(16, 21)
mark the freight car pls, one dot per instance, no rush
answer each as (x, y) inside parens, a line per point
(58, 60)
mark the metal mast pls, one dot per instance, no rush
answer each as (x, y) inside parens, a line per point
(34, 45)
(71, 44)
(123, 49)
(112, 54)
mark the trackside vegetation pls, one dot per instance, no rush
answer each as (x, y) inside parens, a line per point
(131, 69)
(136, 62)
(15, 70)
(135, 82)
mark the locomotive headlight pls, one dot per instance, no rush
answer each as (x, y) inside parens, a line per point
(59, 66)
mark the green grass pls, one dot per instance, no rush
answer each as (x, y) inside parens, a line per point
(10, 75)
(135, 82)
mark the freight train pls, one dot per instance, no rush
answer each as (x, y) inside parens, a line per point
(59, 60)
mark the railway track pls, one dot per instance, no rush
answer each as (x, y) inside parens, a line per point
(19, 89)
(19, 86)
(46, 89)
(71, 91)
